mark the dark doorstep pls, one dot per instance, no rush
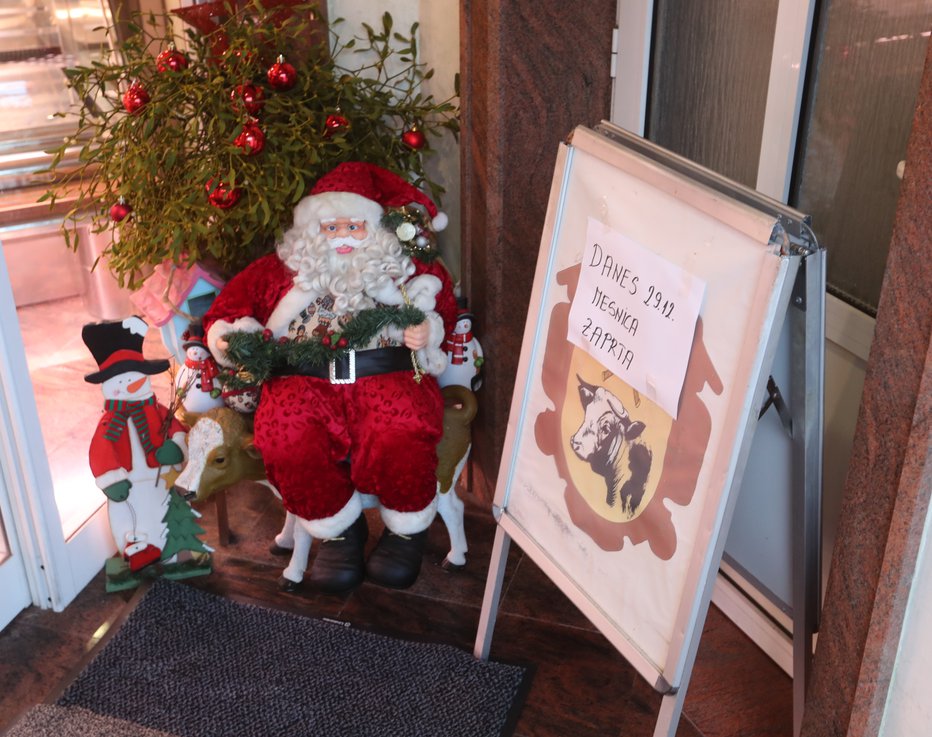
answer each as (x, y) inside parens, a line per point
(581, 687)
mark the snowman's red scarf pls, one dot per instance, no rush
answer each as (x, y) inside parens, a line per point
(461, 338)
(207, 372)
(136, 412)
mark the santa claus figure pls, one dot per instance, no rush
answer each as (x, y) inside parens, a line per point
(369, 422)
(136, 441)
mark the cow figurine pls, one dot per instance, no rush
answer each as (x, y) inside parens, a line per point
(610, 442)
(221, 452)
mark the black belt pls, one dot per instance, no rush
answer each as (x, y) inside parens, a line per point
(354, 365)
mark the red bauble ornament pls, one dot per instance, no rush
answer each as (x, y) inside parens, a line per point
(120, 210)
(250, 96)
(266, 335)
(171, 60)
(251, 139)
(342, 343)
(135, 98)
(413, 138)
(325, 340)
(221, 195)
(282, 76)
(334, 123)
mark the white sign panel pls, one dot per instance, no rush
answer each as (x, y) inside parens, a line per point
(635, 312)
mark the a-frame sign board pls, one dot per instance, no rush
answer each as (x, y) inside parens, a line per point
(658, 300)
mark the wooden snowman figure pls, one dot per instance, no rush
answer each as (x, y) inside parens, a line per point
(197, 382)
(464, 355)
(135, 443)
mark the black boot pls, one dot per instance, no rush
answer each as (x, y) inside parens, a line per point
(340, 564)
(396, 560)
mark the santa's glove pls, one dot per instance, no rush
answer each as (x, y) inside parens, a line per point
(119, 491)
(169, 454)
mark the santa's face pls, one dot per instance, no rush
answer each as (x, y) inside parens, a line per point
(344, 234)
(130, 386)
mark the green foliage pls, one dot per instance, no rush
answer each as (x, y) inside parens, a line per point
(183, 529)
(161, 159)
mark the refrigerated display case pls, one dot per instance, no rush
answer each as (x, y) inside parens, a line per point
(39, 40)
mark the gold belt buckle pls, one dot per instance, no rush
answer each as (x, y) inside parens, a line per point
(351, 379)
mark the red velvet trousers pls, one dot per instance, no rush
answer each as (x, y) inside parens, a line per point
(321, 441)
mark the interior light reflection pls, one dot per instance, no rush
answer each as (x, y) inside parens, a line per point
(79, 13)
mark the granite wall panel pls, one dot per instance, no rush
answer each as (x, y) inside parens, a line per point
(889, 478)
(531, 72)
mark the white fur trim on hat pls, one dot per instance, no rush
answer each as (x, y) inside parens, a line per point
(222, 327)
(333, 526)
(409, 523)
(314, 209)
(440, 222)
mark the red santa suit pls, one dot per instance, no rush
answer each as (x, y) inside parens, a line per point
(320, 440)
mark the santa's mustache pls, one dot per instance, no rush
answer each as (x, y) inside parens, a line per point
(348, 240)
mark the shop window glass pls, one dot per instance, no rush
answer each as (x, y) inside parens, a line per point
(867, 68)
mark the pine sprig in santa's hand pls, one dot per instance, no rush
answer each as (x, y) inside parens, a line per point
(259, 356)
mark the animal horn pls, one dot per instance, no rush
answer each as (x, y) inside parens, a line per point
(586, 391)
(617, 407)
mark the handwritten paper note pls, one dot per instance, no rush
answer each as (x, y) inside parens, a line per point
(635, 312)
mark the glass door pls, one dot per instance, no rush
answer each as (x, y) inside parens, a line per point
(25, 503)
(54, 517)
(13, 581)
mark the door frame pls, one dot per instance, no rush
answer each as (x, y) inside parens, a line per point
(56, 569)
(14, 582)
(634, 27)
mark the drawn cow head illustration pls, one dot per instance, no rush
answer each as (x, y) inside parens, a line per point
(610, 442)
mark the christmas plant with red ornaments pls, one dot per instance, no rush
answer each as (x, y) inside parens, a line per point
(197, 147)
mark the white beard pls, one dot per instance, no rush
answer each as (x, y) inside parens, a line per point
(357, 280)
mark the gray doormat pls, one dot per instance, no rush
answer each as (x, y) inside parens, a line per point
(192, 664)
(50, 720)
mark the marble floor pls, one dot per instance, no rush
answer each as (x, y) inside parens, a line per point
(581, 686)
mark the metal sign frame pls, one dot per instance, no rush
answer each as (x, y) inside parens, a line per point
(800, 298)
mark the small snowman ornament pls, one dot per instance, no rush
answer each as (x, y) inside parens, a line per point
(197, 382)
(464, 355)
(136, 443)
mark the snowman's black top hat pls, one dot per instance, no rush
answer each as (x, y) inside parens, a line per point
(117, 348)
(193, 336)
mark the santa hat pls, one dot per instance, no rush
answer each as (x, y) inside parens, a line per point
(358, 190)
(117, 347)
